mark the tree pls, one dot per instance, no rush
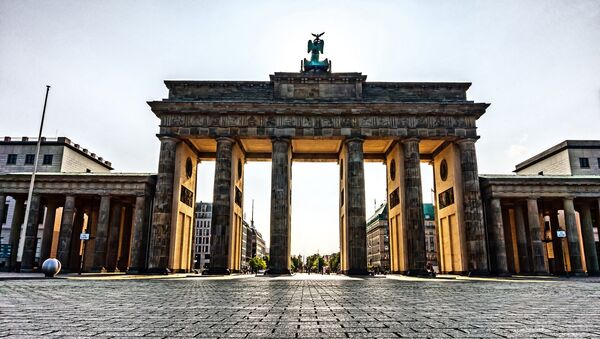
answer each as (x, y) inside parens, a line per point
(257, 263)
(296, 263)
(334, 262)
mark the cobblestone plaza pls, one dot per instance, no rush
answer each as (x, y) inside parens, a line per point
(300, 306)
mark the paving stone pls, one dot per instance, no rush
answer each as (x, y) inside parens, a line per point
(259, 307)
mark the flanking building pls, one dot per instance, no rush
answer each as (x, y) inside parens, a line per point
(75, 193)
(545, 219)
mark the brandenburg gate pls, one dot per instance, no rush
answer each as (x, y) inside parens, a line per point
(317, 115)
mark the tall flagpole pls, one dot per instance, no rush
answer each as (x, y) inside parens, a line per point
(35, 165)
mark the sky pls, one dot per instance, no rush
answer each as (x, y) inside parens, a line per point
(536, 62)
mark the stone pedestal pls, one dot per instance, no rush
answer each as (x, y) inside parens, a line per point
(535, 234)
(31, 230)
(281, 175)
(48, 233)
(498, 244)
(589, 244)
(356, 224)
(523, 253)
(158, 259)
(137, 234)
(66, 231)
(15, 229)
(415, 224)
(473, 209)
(221, 214)
(573, 237)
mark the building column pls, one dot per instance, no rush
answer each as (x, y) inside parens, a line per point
(48, 233)
(557, 244)
(477, 259)
(497, 242)
(160, 238)
(589, 244)
(222, 209)
(101, 235)
(112, 248)
(413, 208)
(137, 235)
(356, 231)
(535, 233)
(521, 239)
(281, 176)
(572, 237)
(31, 230)
(15, 229)
(66, 231)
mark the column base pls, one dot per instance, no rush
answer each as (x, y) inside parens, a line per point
(274, 271)
(356, 271)
(417, 273)
(158, 270)
(577, 274)
(217, 271)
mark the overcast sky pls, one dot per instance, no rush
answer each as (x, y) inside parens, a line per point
(536, 62)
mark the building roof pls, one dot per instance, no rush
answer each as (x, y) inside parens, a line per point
(60, 141)
(567, 144)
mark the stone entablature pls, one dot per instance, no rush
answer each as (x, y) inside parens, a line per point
(129, 184)
(526, 186)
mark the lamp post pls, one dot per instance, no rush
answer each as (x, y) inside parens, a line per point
(35, 164)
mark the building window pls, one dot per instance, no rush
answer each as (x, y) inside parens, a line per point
(5, 216)
(598, 162)
(584, 163)
(11, 159)
(29, 159)
(47, 159)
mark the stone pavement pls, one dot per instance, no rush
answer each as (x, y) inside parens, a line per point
(300, 306)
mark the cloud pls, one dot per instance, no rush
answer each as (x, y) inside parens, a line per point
(516, 151)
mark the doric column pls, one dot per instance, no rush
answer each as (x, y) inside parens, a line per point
(557, 244)
(497, 237)
(281, 175)
(415, 225)
(535, 234)
(15, 229)
(473, 209)
(66, 231)
(2, 208)
(589, 244)
(137, 234)
(48, 233)
(112, 248)
(101, 234)
(356, 233)
(521, 239)
(31, 231)
(160, 238)
(572, 237)
(222, 209)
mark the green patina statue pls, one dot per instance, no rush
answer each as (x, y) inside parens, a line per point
(314, 48)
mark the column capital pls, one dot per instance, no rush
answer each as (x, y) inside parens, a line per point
(569, 197)
(533, 197)
(167, 137)
(410, 139)
(225, 139)
(281, 139)
(466, 140)
(354, 139)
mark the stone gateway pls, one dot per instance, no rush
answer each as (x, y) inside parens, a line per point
(320, 116)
